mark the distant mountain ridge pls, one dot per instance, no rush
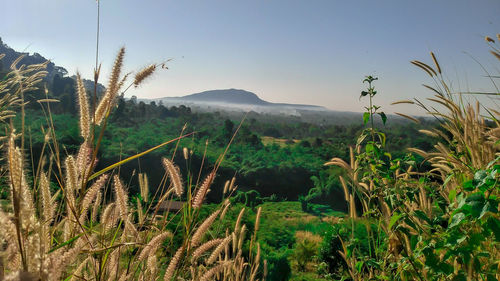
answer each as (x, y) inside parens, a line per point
(234, 97)
(228, 95)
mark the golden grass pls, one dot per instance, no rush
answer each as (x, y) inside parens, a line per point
(79, 232)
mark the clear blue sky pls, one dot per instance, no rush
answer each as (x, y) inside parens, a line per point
(310, 51)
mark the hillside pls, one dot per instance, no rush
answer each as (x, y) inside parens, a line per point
(229, 96)
(52, 70)
(238, 101)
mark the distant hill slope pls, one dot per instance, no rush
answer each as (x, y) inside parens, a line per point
(11, 55)
(228, 96)
(233, 98)
(52, 70)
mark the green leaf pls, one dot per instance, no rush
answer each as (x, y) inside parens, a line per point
(382, 138)
(395, 217)
(486, 208)
(452, 195)
(369, 147)
(469, 185)
(366, 117)
(456, 219)
(383, 116)
(359, 266)
(65, 243)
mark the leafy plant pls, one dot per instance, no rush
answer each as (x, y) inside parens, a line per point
(436, 224)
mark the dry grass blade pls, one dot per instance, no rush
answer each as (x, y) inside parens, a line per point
(153, 245)
(203, 190)
(497, 55)
(175, 176)
(112, 89)
(408, 117)
(169, 273)
(215, 254)
(121, 197)
(425, 67)
(84, 108)
(143, 74)
(436, 62)
(403, 102)
(202, 229)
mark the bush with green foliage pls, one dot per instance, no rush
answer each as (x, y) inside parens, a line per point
(440, 223)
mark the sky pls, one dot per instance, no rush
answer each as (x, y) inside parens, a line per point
(308, 52)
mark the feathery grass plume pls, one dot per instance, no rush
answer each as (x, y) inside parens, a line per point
(59, 261)
(83, 158)
(91, 195)
(497, 55)
(235, 242)
(112, 263)
(129, 230)
(489, 39)
(408, 117)
(84, 108)
(243, 232)
(186, 153)
(226, 188)
(231, 185)
(175, 176)
(425, 67)
(224, 211)
(49, 206)
(403, 102)
(202, 229)
(110, 217)
(257, 219)
(339, 162)
(205, 247)
(238, 220)
(213, 271)
(352, 207)
(256, 264)
(344, 187)
(169, 273)
(77, 274)
(203, 190)
(10, 250)
(71, 183)
(152, 266)
(140, 212)
(95, 207)
(143, 74)
(112, 89)
(144, 186)
(153, 245)
(429, 133)
(21, 197)
(436, 63)
(215, 254)
(121, 198)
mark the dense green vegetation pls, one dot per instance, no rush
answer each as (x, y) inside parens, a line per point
(259, 164)
(387, 214)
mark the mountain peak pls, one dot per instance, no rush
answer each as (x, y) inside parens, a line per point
(227, 96)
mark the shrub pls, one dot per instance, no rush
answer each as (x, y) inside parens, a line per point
(437, 224)
(278, 266)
